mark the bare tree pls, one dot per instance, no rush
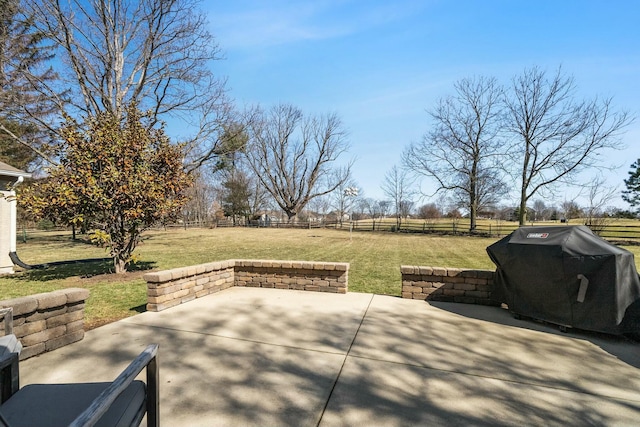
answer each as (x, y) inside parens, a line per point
(293, 156)
(344, 199)
(383, 209)
(156, 53)
(429, 211)
(361, 208)
(320, 207)
(397, 186)
(556, 136)
(540, 209)
(258, 196)
(599, 197)
(371, 208)
(461, 153)
(570, 210)
(406, 207)
(200, 198)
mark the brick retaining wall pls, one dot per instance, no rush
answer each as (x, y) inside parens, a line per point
(447, 284)
(44, 322)
(169, 288)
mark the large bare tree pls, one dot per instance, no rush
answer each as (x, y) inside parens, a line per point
(462, 151)
(294, 156)
(156, 53)
(556, 135)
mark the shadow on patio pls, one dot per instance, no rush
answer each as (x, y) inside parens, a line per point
(289, 358)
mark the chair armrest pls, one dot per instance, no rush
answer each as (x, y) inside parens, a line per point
(9, 376)
(7, 315)
(148, 359)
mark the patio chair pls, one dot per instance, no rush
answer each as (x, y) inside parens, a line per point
(122, 402)
(9, 342)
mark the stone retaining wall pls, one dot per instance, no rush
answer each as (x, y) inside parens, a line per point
(169, 288)
(447, 284)
(44, 322)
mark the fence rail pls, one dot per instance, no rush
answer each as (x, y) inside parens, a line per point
(493, 229)
(456, 227)
(498, 229)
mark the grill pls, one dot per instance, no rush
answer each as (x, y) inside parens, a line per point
(567, 275)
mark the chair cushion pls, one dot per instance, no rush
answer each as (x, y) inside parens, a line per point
(9, 344)
(56, 405)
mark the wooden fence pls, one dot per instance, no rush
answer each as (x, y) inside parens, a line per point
(492, 228)
(496, 229)
(455, 227)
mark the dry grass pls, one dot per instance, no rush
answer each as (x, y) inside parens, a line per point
(375, 260)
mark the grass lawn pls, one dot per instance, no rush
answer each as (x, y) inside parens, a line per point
(375, 260)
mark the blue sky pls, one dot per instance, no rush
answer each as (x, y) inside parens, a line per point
(380, 65)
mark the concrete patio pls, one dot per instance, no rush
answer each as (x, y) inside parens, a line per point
(267, 357)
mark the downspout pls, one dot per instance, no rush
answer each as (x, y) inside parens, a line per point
(13, 214)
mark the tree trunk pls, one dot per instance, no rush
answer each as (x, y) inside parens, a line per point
(472, 215)
(522, 214)
(120, 265)
(473, 191)
(473, 212)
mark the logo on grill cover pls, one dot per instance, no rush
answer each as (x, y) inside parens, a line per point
(537, 235)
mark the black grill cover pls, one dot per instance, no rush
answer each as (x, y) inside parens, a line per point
(568, 276)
